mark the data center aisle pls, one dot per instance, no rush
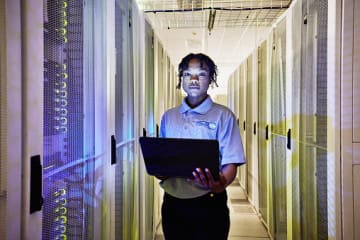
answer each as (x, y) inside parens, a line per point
(245, 224)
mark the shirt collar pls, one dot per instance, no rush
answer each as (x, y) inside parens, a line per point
(203, 108)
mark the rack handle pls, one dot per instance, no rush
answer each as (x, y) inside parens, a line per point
(36, 199)
(157, 130)
(288, 145)
(113, 150)
(144, 132)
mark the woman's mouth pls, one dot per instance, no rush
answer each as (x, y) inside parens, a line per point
(194, 87)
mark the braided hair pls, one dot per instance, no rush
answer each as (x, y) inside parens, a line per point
(184, 64)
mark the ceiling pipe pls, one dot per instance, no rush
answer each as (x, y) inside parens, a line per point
(216, 8)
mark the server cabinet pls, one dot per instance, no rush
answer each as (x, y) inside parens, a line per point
(252, 129)
(313, 120)
(350, 119)
(11, 124)
(264, 130)
(148, 198)
(31, 120)
(242, 121)
(125, 218)
(249, 129)
(75, 116)
(278, 131)
(293, 104)
(308, 193)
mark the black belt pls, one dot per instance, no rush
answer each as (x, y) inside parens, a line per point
(205, 196)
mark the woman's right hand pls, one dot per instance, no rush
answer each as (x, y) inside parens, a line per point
(161, 177)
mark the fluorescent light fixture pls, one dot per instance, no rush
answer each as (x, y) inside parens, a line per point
(211, 19)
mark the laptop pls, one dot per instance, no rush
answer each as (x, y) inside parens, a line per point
(179, 157)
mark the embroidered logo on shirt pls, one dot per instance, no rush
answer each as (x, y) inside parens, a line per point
(209, 125)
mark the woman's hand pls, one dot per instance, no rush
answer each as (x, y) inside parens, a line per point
(162, 178)
(206, 179)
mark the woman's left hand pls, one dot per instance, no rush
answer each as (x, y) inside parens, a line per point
(206, 179)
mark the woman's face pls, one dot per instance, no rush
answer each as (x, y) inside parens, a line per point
(196, 80)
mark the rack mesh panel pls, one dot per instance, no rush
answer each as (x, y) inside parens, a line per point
(313, 157)
(278, 119)
(65, 189)
(263, 157)
(321, 120)
(297, 22)
(121, 13)
(308, 193)
(249, 125)
(3, 131)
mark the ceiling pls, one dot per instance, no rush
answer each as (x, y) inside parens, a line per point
(227, 31)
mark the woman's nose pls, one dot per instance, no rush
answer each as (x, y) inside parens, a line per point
(194, 77)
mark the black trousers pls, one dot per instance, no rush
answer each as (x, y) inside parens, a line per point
(206, 217)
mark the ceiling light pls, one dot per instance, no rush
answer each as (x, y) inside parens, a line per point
(211, 20)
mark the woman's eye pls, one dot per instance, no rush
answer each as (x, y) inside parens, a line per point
(202, 74)
(186, 74)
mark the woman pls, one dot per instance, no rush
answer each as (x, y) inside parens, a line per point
(197, 208)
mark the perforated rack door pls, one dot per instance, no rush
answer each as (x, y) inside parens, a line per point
(278, 119)
(66, 207)
(3, 129)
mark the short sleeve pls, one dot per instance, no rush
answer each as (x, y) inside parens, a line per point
(162, 126)
(231, 147)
